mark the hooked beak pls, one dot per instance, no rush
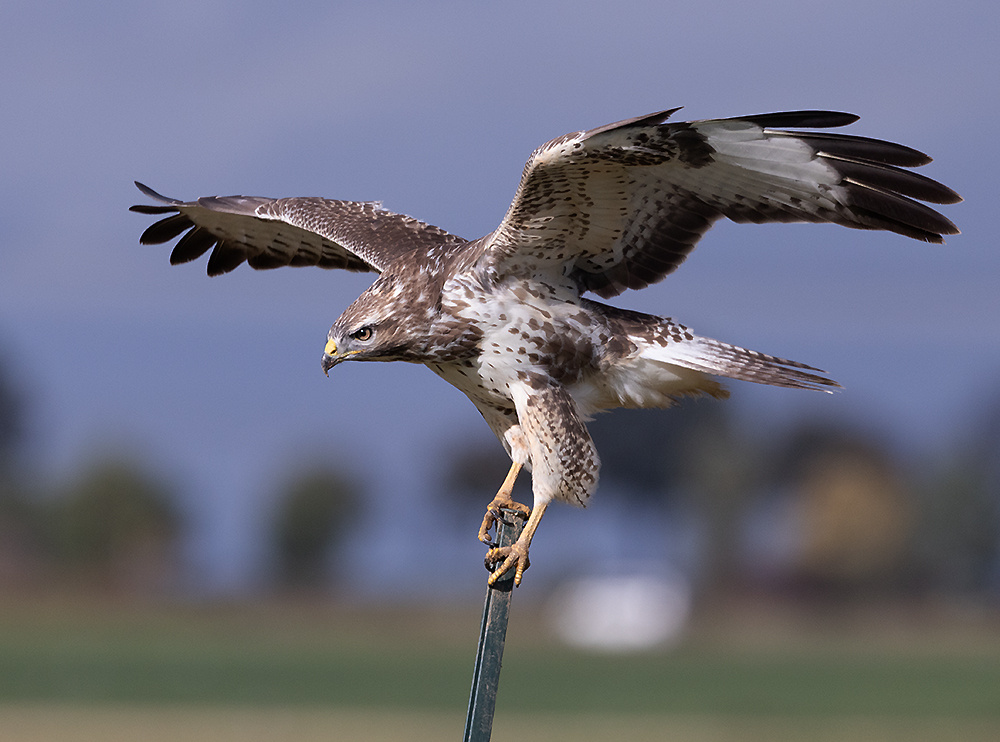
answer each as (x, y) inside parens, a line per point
(330, 357)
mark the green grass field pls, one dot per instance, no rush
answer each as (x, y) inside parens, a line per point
(81, 670)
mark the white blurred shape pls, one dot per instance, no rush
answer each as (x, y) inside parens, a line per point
(621, 613)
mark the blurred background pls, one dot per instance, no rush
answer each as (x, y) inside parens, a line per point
(169, 446)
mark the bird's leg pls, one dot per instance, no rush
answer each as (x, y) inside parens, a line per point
(502, 500)
(517, 553)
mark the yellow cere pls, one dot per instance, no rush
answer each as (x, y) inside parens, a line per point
(331, 348)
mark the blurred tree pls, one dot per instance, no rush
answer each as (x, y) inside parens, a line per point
(116, 528)
(312, 515)
(959, 527)
(721, 467)
(23, 555)
(12, 423)
(22, 547)
(958, 543)
(855, 512)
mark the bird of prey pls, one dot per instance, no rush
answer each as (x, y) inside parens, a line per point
(505, 318)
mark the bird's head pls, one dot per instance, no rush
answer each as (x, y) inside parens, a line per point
(370, 329)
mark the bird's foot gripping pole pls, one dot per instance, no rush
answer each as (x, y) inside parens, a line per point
(492, 634)
(515, 556)
(502, 501)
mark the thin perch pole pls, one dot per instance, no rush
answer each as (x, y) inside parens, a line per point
(486, 678)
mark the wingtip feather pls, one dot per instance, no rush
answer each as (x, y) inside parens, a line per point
(147, 191)
(800, 119)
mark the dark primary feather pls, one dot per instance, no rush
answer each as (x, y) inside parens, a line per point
(165, 229)
(862, 148)
(799, 119)
(892, 178)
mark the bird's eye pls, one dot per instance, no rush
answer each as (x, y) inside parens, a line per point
(365, 333)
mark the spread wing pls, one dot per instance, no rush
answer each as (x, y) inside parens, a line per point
(623, 205)
(270, 233)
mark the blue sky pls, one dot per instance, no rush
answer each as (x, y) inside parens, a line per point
(432, 108)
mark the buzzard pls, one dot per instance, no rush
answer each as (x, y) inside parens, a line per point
(505, 318)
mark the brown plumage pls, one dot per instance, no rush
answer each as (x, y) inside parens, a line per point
(503, 318)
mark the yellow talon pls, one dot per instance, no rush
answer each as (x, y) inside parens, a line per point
(511, 555)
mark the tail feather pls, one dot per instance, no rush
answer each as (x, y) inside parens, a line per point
(721, 359)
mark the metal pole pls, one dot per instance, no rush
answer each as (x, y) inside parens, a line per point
(486, 678)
